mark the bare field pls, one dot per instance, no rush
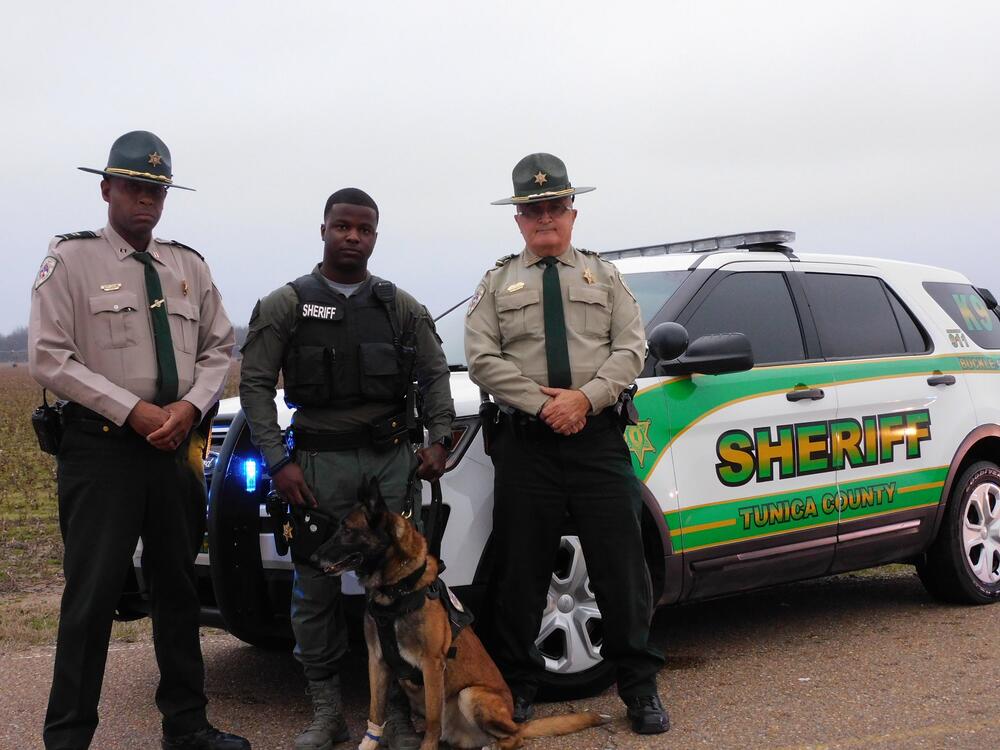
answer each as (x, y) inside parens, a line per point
(30, 544)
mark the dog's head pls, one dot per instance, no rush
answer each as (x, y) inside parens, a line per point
(363, 539)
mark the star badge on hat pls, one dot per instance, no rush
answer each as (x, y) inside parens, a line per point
(540, 177)
(155, 159)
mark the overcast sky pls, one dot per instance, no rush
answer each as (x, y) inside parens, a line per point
(867, 127)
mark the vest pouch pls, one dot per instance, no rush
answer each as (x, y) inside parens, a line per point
(309, 375)
(382, 378)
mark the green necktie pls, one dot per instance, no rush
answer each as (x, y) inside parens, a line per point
(556, 348)
(166, 364)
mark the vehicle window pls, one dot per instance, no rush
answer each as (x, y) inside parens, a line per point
(914, 338)
(651, 289)
(964, 305)
(758, 305)
(854, 316)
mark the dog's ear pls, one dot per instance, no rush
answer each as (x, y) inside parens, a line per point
(372, 499)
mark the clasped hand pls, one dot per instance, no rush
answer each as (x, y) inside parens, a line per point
(566, 411)
(163, 427)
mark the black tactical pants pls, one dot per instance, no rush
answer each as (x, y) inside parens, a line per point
(540, 478)
(113, 488)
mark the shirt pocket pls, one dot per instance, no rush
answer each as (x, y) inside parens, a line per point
(114, 319)
(589, 311)
(519, 314)
(183, 319)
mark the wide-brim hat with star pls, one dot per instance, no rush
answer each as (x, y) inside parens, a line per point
(540, 177)
(139, 156)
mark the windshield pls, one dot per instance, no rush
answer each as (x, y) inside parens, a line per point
(652, 289)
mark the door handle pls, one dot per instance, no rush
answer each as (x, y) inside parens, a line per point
(805, 394)
(941, 380)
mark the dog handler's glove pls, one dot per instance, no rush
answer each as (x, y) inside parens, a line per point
(372, 736)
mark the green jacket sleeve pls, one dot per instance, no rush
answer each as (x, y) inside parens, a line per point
(431, 368)
(263, 352)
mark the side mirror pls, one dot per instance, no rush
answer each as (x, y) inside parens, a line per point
(668, 341)
(711, 355)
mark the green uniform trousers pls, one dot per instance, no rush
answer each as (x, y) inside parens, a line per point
(335, 478)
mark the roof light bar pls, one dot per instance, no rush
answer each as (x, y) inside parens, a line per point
(770, 240)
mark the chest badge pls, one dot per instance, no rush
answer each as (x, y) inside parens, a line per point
(516, 287)
(588, 276)
(286, 531)
(111, 287)
(184, 287)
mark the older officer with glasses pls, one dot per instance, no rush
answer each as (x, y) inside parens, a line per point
(555, 336)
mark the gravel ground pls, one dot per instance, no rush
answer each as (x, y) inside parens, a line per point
(857, 661)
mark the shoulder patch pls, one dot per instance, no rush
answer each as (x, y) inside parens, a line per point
(86, 235)
(476, 297)
(175, 243)
(46, 270)
(587, 252)
(506, 259)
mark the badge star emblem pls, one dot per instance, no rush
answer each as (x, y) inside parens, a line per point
(588, 276)
(286, 531)
(637, 438)
(155, 159)
(541, 178)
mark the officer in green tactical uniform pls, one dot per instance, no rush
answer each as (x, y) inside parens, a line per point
(348, 344)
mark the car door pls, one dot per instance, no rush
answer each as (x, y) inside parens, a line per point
(743, 445)
(903, 410)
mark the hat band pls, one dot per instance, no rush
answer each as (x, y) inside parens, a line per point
(549, 194)
(133, 173)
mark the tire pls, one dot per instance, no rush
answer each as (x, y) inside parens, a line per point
(962, 566)
(571, 633)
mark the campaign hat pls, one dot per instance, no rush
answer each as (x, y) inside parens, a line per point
(540, 177)
(140, 156)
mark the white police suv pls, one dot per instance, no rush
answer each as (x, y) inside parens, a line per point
(800, 415)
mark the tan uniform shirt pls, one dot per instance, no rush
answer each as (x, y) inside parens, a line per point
(505, 330)
(90, 336)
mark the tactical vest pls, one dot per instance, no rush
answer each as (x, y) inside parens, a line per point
(345, 353)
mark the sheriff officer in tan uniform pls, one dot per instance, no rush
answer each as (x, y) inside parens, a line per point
(554, 335)
(132, 332)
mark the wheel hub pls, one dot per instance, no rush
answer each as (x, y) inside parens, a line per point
(981, 532)
(571, 632)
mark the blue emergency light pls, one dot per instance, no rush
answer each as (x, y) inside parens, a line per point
(250, 474)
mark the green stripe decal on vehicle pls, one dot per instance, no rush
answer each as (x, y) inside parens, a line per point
(759, 516)
(669, 408)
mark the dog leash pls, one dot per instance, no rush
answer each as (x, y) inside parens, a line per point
(432, 533)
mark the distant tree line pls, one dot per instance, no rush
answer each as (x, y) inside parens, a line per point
(14, 345)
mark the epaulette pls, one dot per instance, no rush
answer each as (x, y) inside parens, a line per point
(501, 262)
(85, 235)
(181, 244)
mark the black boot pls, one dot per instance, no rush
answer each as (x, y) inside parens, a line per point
(399, 733)
(208, 738)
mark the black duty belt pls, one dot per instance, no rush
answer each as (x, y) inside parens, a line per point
(527, 427)
(91, 421)
(380, 435)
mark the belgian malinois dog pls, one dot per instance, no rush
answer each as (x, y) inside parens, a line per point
(464, 699)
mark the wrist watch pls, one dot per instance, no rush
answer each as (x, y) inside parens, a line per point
(444, 441)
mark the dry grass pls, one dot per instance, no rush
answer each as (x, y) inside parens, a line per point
(30, 544)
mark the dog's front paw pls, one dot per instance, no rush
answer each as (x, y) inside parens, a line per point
(372, 737)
